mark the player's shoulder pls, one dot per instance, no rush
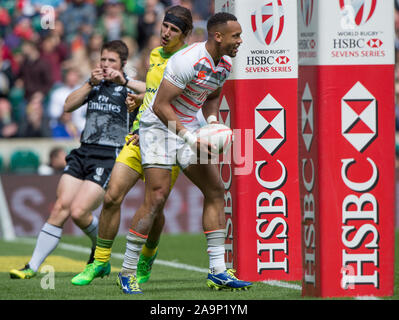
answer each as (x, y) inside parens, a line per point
(156, 52)
(227, 62)
(191, 53)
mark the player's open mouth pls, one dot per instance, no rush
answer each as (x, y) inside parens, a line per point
(164, 41)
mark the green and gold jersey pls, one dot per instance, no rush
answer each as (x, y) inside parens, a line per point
(158, 61)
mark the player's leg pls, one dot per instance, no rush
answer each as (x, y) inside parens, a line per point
(207, 178)
(157, 188)
(87, 199)
(123, 178)
(51, 231)
(149, 251)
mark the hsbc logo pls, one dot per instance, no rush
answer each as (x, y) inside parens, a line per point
(359, 117)
(357, 12)
(270, 124)
(374, 43)
(224, 112)
(307, 124)
(306, 7)
(282, 60)
(268, 22)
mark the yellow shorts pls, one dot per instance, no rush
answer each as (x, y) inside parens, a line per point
(130, 155)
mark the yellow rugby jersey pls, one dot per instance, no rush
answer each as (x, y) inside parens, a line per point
(158, 61)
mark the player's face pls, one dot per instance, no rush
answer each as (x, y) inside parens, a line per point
(231, 38)
(110, 59)
(171, 37)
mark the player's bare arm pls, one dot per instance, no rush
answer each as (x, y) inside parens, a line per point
(167, 92)
(118, 77)
(77, 97)
(133, 101)
(211, 107)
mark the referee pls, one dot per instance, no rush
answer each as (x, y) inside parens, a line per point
(82, 185)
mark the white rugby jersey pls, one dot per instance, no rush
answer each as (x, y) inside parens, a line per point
(193, 70)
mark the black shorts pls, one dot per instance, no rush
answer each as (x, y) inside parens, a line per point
(92, 162)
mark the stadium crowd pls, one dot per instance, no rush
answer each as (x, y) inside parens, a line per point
(49, 47)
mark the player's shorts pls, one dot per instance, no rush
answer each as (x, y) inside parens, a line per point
(92, 162)
(160, 147)
(131, 156)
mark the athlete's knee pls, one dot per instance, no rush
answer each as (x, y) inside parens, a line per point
(112, 199)
(78, 213)
(60, 211)
(215, 191)
(157, 199)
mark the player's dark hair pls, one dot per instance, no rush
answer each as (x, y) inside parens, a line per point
(119, 47)
(184, 19)
(219, 19)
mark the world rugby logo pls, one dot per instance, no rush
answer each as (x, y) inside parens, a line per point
(359, 11)
(307, 11)
(268, 22)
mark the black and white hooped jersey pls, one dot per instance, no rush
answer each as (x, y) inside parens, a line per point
(107, 118)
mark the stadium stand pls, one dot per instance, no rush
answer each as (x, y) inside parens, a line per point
(24, 161)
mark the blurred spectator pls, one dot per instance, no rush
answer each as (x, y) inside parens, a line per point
(55, 109)
(64, 127)
(36, 123)
(21, 32)
(6, 77)
(115, 23)
(133, 58)
(85, 58)
(35, 71)
(56, 162)
(54, 54)
(79, 19)
(148, 21)
(8, 128)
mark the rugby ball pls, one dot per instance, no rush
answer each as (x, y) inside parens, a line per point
(219, 135)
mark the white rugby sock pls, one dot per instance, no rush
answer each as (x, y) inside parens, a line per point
(216, 250)
(47, 241)
(134, 245)
(91, 231)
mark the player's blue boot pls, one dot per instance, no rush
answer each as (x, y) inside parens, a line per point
(227, 280)
(128, 284)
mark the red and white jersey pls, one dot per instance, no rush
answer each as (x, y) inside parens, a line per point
(193, 70)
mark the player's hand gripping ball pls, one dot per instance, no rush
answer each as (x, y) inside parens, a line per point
(219, 135)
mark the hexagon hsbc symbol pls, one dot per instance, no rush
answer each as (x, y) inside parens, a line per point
(306, 7)
(268, 22)
(374, 43)
(307, 117)
(224, 112)
(359, 117)
(361, 10)
(270, 124)
(282, 60)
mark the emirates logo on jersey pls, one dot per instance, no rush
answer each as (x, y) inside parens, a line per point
(270, 124)
(268, 22)
(359, 117)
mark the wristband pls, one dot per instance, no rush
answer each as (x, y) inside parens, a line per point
(211, 119)
(189, 138)
(125, 84)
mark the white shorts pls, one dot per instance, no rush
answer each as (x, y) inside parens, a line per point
(160, 147)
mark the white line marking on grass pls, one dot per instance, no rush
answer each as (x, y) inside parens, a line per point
(276, 283)
(77, 248)
(177, 265)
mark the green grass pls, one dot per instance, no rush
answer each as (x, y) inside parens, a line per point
(166, 283)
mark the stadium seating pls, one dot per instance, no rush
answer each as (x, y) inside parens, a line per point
(24, 161)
